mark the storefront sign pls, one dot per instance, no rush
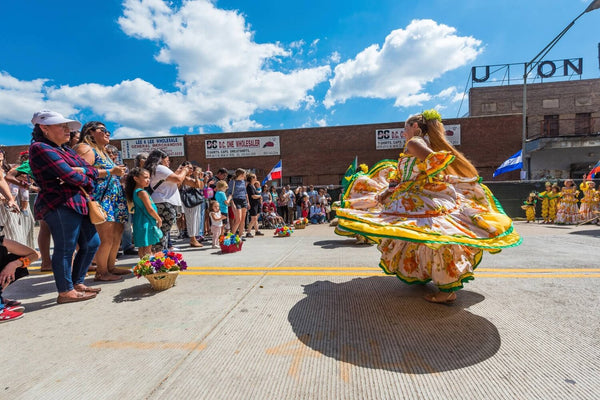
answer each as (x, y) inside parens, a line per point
(242, 147)
(172, 145)
(391, 138)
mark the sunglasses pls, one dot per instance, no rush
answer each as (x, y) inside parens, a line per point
(103, 130)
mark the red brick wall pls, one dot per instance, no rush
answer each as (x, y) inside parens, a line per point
(321, 155)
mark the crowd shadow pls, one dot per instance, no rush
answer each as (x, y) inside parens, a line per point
(381, 323)
(30, 288)
(36, 285)
(134, 293)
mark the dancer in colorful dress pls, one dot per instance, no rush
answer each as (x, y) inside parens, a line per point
(544, 196)
(529, 207)
(589, 201)
(429, 214)
(568, 211)
(553, 199)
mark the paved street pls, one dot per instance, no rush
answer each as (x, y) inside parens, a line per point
(313, 317)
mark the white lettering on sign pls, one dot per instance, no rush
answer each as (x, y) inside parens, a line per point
(242, 147)
(391, 138)
(172, 145)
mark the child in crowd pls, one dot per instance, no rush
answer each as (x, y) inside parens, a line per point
(305, 206)
(14, 260)
(270, 212)
(224, 202)
(216, 222)
(146, 221)
(529, 207)
(317, 214)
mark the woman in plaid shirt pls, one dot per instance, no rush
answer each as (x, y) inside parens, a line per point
(60, 173)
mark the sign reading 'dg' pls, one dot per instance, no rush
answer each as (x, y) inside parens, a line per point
(242, 147)
(172, 145)
(391, 138)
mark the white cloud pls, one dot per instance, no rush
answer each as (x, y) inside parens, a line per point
(223, 75)
(407, 61)
(20, 99)
(335, 57)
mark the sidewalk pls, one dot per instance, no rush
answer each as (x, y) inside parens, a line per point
(313, 317)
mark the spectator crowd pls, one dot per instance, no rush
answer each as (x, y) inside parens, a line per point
(75, 172)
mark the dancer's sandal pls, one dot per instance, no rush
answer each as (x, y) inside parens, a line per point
(440, 298)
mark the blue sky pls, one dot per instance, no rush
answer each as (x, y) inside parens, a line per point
(153, 67)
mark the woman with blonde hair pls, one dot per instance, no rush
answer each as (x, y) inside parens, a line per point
(109, 193)
(429, 214)
(237, 191)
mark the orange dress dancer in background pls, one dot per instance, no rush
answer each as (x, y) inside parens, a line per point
(589, 201)
(429, 214)
(568, 211)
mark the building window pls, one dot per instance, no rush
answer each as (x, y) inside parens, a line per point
(583, 123)
(295, 180)
(550, 125)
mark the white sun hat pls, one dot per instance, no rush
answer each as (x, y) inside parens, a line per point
(47, 117)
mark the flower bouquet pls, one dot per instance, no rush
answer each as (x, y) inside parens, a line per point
(161, 269)
(301, 223)
(230, 243)
(284, 231)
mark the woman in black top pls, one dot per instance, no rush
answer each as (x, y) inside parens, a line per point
(254, 198)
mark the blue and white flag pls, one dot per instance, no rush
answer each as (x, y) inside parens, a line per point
(513, 163)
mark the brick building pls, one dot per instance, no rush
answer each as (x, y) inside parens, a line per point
(320, 156)
(563, 123)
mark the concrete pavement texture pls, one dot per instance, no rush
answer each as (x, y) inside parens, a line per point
(313, 317)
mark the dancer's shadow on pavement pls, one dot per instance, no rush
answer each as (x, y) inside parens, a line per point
(334, 244)
(591, 232)
(381, 323)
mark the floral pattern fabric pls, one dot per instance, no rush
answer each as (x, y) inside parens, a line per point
(589, 202)
(568, 211)
(113, 202)
(432, 227)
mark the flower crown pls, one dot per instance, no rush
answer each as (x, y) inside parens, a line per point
(432, 114)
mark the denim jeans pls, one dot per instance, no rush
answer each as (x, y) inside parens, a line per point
(201, 219)
(127, 237)
(69, 229)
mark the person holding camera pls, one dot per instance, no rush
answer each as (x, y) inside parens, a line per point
(164, 185)
(194, 204)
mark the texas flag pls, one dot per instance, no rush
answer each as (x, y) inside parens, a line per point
(274, 174)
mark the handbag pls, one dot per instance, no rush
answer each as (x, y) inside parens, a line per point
(95, 211)
(191, 197)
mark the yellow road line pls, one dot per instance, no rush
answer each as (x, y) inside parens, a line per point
(318, 273)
